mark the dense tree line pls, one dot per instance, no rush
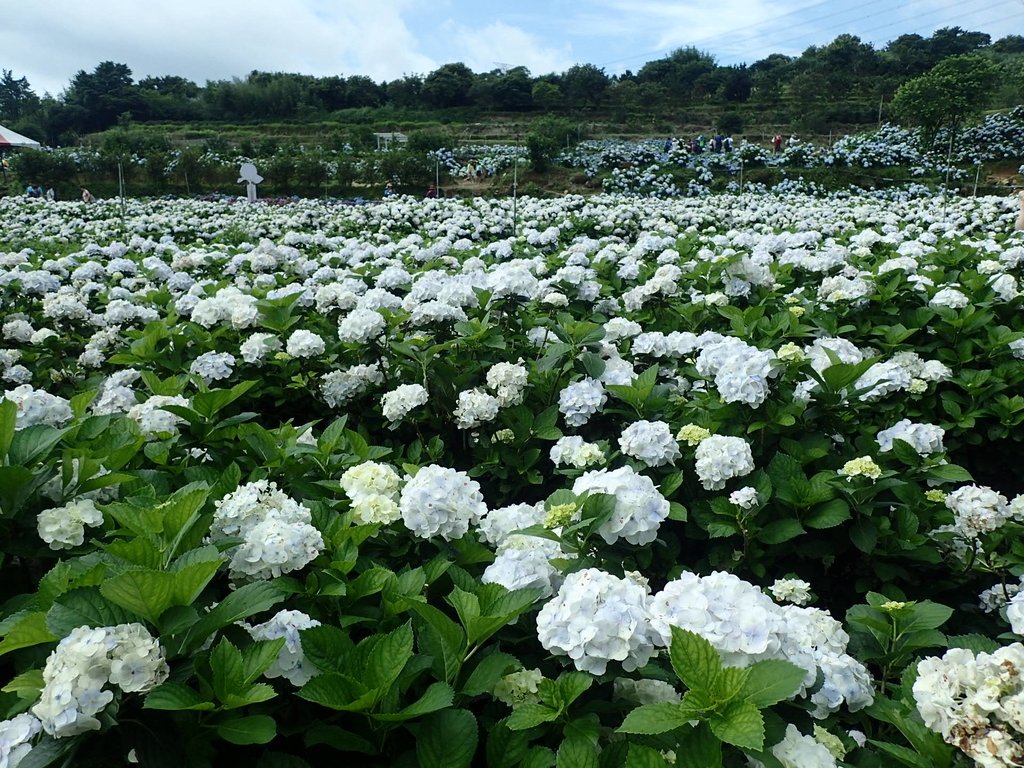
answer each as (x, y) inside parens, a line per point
(844, 81)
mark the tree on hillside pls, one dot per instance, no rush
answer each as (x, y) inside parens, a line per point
(16, 97)
(448, 85)
(680, 72)
(584, 85)
(953, 90)
(104, 94)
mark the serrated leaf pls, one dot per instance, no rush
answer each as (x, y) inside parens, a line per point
(699, 749)
(85, 606)
(771, 681)
(441, 638)
(828, 515)
(388, 657)
(254, 729)
(729, 682)
(488, 672)
(436, 697)
(779, 531)
(228, 670)
(328, 648)
(652, 719)
(576, 753)
(528, 715)
(694, 659)
(27, 685)
(245, 601)
(341, 692)
(570, 686)
(505, 748)
(447, 739)
(644, 757)
(175, 696)
(339, 739)
(31, 629)
(257, 658)
(740, 723)
(148, 592)
(973, 642)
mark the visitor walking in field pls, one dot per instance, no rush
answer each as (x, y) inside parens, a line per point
(87, 196)
(1019, 226)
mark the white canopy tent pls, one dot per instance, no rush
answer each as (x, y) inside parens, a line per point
(9, 138)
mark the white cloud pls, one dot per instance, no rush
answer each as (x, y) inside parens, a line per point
(497, 45)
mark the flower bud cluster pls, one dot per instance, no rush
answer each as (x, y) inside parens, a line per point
(373, 488)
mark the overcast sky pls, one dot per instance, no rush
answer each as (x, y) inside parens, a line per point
(48, 41)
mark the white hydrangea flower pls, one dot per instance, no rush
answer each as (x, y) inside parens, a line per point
(213, 366)
(508, 382)
(257, 347)
(474, 407)
(639, 506)
(796, 591)
(291, 662)
(338, 387)
(923, 438)
(651, 442)
(575, 451)
(799, 751)
(581, 400)
(882, 379)
(125, 656)
(977, 510)
(277, 533)
(949, 297)
(15, 737)
(737, 618)
(744, 498)
(361, 325)
(524, 562)
(37, 406)
(720, 458)
(64, 527)
(498, 524)
(370, 478)
(597, 618)
(151, 417)
(1015, 613)
(396, 404)
(975, 702)
(440, 501)
(304, 343)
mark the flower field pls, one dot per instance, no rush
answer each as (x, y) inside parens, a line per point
(603, 482)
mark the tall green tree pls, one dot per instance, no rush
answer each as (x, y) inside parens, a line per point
(17, 99)
(448, 85)
(953, 90)
(104, 94)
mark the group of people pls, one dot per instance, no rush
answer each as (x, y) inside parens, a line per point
(35, 190)
(717, 143)
(777, 142)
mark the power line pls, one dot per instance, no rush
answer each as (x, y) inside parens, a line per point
(959, 4)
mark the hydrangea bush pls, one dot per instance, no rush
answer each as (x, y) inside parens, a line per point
(608, 482)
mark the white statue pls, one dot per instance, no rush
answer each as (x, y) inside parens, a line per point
(248, 174)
